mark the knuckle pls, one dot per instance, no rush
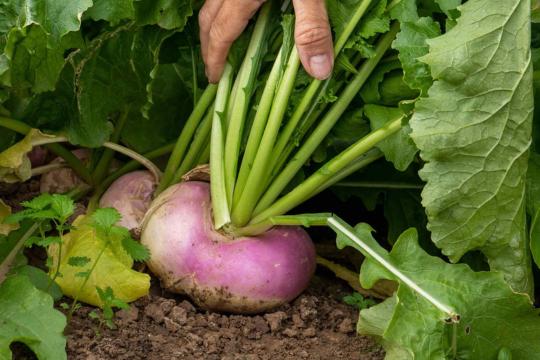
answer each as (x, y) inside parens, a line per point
(204, 20)
(217, 33)
(312, 35)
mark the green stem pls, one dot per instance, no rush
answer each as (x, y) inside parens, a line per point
(314, 89)
(204, 156)
(327, 122)
(245, 81)
(259, 123)
(194, 76)
(57, 149)
(252, 190)
(361, 162)
(53, 278)
(217, 172)
(202, 137)
(76, 298)
(306, 220)
(186, 135)
(342, 228)
(320, 178)
(135, 156)
(104, 162)
(8, 260)
(40, 170)
(74, 162)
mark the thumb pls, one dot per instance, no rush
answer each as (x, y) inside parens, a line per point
(313, 37)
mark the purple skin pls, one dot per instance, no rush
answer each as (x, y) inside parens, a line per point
(243, 275)
(131, 195)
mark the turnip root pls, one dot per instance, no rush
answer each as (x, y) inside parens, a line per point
(243, 275)
(131, 195)
(63, 180)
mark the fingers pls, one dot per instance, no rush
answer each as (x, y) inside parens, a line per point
(313, 37)
(220, 28)
(207, 14)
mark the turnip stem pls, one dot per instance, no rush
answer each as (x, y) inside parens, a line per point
(47, 168)
(259, 123)
(244, 85)
(340, 227)
(315, 86)
(186, 135)
(357, 164)
(204, 156)
(103, 164)
(252, 190)
(136, 156)
(201, 138)
(306, 220)
(59, 150)
(217, 185)
(327, 122)
(320, 178)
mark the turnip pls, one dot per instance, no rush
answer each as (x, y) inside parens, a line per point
(246, 274)
(131, 195)
(229, 244)
(64, 179)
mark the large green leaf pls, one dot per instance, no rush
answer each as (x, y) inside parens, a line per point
(27, 315)
(113, 11)
(474, 132)
(113, 77)
(493, 318)
(168, 14)
(33, 35)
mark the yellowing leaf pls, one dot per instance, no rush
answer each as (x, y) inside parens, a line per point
(14, 163)
(5, 210)
(113, 268)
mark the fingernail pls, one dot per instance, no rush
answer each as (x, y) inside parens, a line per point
(321, 66)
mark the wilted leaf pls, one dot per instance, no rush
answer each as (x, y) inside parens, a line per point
(14, 163)
(113, 268)
(5, 210)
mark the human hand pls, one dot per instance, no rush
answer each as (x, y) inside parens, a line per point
(222, 21)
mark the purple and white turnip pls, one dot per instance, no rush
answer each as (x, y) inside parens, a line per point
(131, 195)
(243, 275)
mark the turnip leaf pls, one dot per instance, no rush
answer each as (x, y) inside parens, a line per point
(27, 315)
(492, 316)
(474, 132)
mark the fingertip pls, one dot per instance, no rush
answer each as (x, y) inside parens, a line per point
(319, 66)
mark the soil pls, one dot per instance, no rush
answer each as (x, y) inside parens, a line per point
(317, 325)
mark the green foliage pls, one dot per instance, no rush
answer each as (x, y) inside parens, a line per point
(358, 301)
(399, 147)
(97, 254)
(480, 103)
(492, 316)
(27, 315)
(109, 303)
